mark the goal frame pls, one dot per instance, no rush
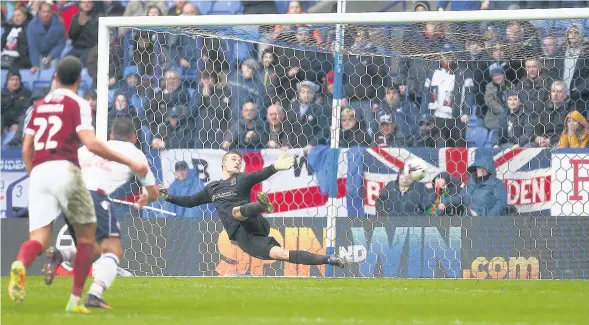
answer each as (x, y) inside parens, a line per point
(336, 19)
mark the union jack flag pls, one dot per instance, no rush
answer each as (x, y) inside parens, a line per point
(525, 172)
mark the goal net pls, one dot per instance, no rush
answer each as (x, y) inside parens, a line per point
(495, 112)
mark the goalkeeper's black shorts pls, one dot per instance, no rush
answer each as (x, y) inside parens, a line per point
(252, 237)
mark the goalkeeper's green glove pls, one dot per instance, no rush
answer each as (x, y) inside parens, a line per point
(284, 162)
(163, 192)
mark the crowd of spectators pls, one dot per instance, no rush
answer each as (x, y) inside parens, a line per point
(514, 84)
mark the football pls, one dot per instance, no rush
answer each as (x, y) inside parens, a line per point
(417, 169)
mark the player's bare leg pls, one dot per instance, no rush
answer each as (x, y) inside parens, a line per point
(105, 272)
(85, 238)
(28, 252)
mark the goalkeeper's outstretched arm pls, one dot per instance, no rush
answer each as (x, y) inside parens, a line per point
(282, 163)
(191, 201)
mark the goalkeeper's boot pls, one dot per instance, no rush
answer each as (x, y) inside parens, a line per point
(16, 286)
(94, 302)
(265, 202)
(336, 260)
(54, 259)
(75, 305)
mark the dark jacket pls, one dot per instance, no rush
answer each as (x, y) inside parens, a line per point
(282, 137)
(309, 128)
(84, 36)
(364, 76)
(176, 137)
(45, 42)
(391, 202)
(393, 140)
(214, 114)
(238, 131)
(405, 114)
(354, 137)
(243, 90)
(551, 121)
(14, 105)
(534, 93)
(517, 128)
(483, 196)
(15, 44)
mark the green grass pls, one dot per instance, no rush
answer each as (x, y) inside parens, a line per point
(281, 301)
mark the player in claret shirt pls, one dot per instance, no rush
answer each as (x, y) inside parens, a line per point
(241, 218)
(57, 127)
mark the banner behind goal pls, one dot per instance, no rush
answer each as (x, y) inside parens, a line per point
(495, 109)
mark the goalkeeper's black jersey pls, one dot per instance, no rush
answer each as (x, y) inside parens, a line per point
(227, 194)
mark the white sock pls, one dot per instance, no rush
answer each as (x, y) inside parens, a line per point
(105, 273)
(75, 299)
(68, 254)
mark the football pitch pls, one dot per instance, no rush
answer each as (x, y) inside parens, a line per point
(280, 301)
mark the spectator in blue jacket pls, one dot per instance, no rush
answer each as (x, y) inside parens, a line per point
(187, 183)
(484, 194)
(46, 38)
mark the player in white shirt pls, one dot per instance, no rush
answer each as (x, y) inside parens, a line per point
(103, 177)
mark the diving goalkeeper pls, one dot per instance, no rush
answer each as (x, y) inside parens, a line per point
(241, 218)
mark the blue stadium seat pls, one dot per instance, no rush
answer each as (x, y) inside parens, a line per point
(130, 69)
(476, 136)
(68, 47)
(87, 79)
(27, 78)
(226, 8)
(138, 103)
(111, 97)
(491, 139)
(203, 6)
(4, 75)
(46, 75)
(281, 6)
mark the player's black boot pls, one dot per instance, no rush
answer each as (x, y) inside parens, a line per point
(94, 302)
(265, 202)
(54, 259)
(336, 260)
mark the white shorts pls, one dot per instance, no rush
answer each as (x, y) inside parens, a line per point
(57, 187)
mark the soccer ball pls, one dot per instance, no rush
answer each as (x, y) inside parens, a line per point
(417, 169)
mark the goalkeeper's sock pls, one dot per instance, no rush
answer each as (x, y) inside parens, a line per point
(251, 210)
(105, 274)
(28, 252)
(82, 264)
(306, 258)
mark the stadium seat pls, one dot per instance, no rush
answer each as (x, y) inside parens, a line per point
(111, 97)
(476, 136)
(129, 70)
(4, 75)
(27, 78)
(204, 7)
(491, 139)
(138, 103)
(46, 75)
(87, 79)
(281, 6)
(226, 8)
(67, 48)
